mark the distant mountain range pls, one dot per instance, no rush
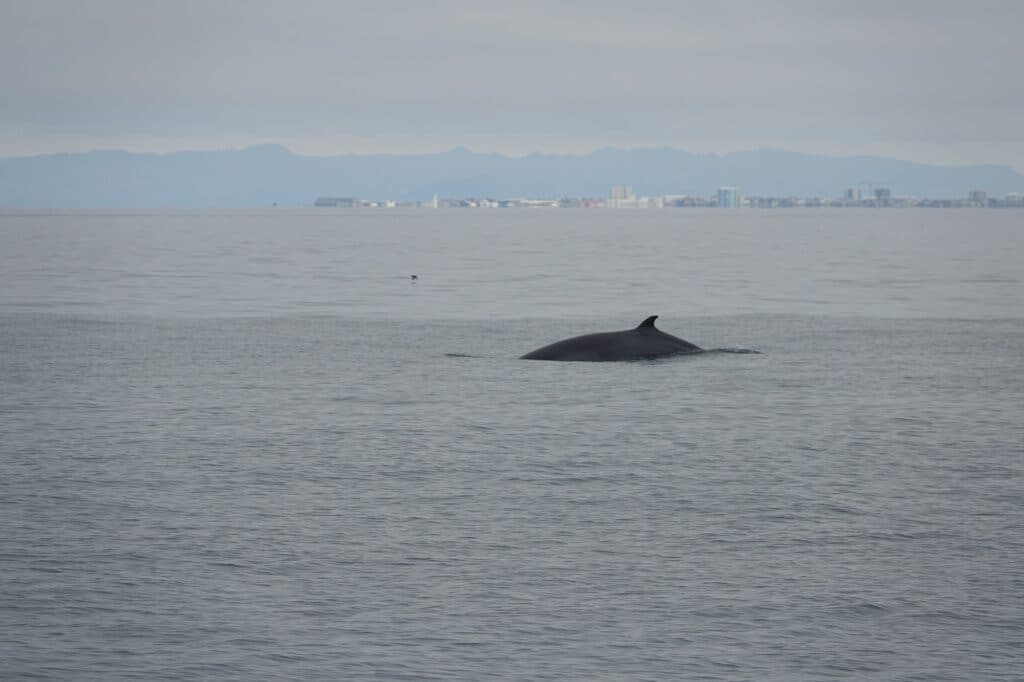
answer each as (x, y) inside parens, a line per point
(267, 174)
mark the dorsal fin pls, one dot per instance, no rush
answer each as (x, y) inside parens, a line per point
(649, 322)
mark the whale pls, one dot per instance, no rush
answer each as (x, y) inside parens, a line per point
(641, 343)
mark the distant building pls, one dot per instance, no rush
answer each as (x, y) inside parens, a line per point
(344, 202)
(853, 194)
(622, 197)
(978, 197)
(883, 197)
(622, 192)
(729, 197)
(687, 201)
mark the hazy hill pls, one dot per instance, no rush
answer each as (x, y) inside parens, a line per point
(264, 174)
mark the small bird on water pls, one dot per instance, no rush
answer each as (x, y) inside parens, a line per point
(414, 277)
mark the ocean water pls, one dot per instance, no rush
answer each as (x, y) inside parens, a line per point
(246, 445)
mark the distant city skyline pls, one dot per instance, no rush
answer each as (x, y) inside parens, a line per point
(267, 175)
(933, 82)
(623, 197)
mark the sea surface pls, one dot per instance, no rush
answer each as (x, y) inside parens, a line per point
(247, 445)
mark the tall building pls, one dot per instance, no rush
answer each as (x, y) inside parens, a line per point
(729, 197)
(622, 196)
(853, 194)
(978, 197)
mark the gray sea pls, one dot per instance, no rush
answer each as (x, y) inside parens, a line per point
(247, 445)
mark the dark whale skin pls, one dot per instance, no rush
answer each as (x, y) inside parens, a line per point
(643, 343)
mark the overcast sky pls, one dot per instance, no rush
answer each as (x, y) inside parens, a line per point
(928, 81)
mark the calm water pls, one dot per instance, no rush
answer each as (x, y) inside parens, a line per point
(247, 446)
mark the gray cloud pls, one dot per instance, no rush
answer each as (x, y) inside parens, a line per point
(931, 81)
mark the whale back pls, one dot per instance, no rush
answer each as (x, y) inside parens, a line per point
(645, 341)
